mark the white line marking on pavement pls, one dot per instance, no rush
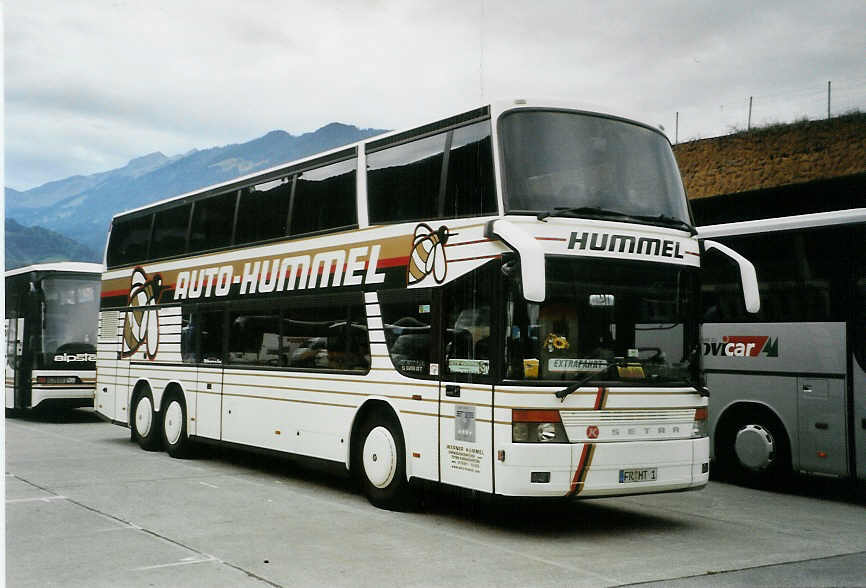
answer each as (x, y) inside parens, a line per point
(36, 499)
(184, 562)
(208, 485)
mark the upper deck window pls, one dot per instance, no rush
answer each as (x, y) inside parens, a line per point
(129, 240)
(263, 212)
(169, 232)
(561, 161)
(403, 181)
(324, 198)
(470, 189)
(446, 175)
(212, 222)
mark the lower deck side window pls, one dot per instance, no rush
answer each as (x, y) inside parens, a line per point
(326, 333)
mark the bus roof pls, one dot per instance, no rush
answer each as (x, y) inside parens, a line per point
(784, 223)
(493, 110)
(62, 266)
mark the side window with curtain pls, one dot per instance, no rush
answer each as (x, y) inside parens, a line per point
(326, 334)
(466, 322)
(201, 335)
(188, 336)
(254, 335)
(211, 324)
(407, 320)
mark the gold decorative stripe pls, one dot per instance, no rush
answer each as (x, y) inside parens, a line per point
(590, 409)
(318, 391)
(465, 403)
(549, 392)
(418, 413)
(312, 390)
(290, 400)
(159, 376)
(605, 410)
(611, 392)
(211, 392)
(444, 416)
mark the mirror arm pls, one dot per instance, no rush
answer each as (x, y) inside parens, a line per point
(531, 256)
(748, 276)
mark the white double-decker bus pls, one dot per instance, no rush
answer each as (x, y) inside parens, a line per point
(51, 314)
(504, 300)
(788, 385)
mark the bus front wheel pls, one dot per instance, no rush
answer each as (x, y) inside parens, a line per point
(754, 448)
(174, 436)
(381, 462)
(144, 422)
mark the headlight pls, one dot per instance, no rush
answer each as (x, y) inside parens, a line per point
(546, 432)
(57, 380)
(537, 426)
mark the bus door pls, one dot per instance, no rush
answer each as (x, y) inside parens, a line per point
(108, 346)
(204, 328)
(14, 352)
(822, 406)
(466, 381)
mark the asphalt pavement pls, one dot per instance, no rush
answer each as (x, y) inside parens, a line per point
(86, 507)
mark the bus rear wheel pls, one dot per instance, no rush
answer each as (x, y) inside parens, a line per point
(381, 462)
(174, 436)
(144, 422)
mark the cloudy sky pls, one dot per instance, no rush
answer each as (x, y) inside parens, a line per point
(91, 84)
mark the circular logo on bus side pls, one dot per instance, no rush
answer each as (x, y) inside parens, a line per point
(592, 432)
(141, 324)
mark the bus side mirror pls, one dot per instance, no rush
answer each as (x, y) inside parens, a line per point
(748, 277)
(531, 257)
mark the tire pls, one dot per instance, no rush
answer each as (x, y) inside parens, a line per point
(174, 438)
(754, 449)
(380, 459)
(144, 422)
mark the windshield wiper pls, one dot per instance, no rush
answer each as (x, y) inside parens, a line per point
(561, 394)
(591, 211)
(617, 363)
(668, 220)
(606, 213)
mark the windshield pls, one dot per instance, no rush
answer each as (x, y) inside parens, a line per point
(70, 317)
(603, 321)
(559, 160)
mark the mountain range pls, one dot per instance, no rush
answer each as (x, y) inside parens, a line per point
(80, 208)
